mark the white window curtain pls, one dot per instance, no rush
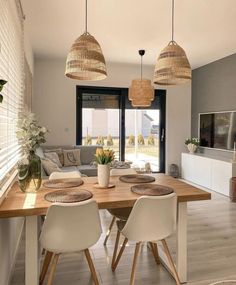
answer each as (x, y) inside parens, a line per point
(11, 70)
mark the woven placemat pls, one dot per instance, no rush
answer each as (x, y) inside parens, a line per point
(137, 178)
(63, 183)
(151, 190)
(68, 196)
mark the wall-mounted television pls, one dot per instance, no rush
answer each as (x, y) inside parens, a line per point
(217, 130)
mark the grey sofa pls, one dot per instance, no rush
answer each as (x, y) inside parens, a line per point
(86, 156)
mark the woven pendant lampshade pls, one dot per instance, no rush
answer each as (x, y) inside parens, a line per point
(172, 66)
(85, 60)
(141, 91)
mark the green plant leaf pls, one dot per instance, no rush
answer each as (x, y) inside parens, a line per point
(3, 82)
(1, 98)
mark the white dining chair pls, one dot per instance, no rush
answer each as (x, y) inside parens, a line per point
(71, 227)
(120, 213)
(152, 219)
(65, 175)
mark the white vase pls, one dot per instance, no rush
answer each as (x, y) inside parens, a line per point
(103, 175)
(192, 147)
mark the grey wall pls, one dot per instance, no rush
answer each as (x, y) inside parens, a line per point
(214, 89)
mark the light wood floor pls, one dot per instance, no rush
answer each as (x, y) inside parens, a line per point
(211, 254)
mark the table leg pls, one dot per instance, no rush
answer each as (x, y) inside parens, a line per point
(182, 241)
(31, 251)
(181, 235)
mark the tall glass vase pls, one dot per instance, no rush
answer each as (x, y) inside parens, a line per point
(29, 173)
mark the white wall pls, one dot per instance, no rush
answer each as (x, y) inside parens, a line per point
(54, 102)
(178, 121)
(29, 52)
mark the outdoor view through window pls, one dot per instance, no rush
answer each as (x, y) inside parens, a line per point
(101, 127)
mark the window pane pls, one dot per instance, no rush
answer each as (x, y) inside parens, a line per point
(101, 127)
(142, 137)
(11, 70)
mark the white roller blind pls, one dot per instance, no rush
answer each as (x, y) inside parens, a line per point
(11, 70)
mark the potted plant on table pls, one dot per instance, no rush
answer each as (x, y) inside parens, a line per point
(2, 83)
(30, 135)
(192, 144)
(103, 158)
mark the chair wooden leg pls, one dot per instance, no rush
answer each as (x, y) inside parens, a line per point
(155, 252)
(115, 248)
(171, 262)
(46, 263)
(53, 268)
(109, 230)
(91, 266)
(136, 253)
(119, 255)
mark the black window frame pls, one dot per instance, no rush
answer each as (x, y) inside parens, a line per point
(123, 93)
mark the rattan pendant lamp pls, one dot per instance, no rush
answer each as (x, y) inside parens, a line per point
(172, 67)
(85, 60)
(141, 92)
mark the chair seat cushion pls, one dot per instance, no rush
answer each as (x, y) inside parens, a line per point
(121, 213)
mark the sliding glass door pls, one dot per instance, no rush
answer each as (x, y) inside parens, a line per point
(144, 133)
(106, 117)
(142, 137)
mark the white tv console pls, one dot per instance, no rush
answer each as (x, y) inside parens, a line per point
(210, 172)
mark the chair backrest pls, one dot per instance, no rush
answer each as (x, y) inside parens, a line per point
(118, 171)
(152, 218)
(71, 227)
(64, 175)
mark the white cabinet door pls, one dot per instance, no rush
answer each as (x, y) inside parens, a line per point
(187, 167)
(196, 169)
(221, 174)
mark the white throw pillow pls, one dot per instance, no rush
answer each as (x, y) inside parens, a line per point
(59, 153)
(49, 166)
(71, 157)
(53, 156)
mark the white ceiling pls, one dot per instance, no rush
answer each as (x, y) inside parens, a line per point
(206, 29)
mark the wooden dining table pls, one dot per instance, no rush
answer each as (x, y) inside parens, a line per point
(32, 206)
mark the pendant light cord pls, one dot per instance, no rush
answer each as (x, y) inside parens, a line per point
(141, 67)
(86, 16)
(173, 19)
(141, 53)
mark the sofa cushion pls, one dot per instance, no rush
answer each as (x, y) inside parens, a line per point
(87, 153)
(69, 168)
(39, 152)
(49, 166)
(53, 156)
(87, 170)
(71, 157)
(59, 152)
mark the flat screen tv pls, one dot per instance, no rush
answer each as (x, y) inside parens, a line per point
(218, 130)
